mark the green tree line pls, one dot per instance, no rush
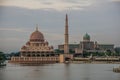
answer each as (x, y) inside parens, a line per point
(2, 57)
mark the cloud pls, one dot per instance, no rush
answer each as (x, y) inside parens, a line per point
(54, 36)
(115, 0)
(13, 29)
(11, 39)
(58, 5)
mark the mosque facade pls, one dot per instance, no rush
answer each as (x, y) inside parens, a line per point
(36, 51)
(37, 46)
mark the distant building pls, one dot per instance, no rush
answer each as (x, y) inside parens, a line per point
(90, 46)
(72, 47)
(106, 46)
(86, 44)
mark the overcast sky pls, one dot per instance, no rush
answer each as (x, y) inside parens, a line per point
(18, 19)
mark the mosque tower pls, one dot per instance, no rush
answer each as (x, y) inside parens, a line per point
(66, 45)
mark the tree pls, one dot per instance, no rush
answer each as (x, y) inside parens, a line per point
(14, 54)
(2, 57)
(71, 51)
(59, 51)
(109, 52)
(117, 51)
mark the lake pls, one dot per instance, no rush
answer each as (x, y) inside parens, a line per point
(59, 72)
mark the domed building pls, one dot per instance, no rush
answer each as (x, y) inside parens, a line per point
(86, 37)
(37, 36)
(37, 45)
(86, 44)
(90, 46)
(36, 51)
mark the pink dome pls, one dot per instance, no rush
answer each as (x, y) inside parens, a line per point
(37, 36)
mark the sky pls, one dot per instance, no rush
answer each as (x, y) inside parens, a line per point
(18, 19)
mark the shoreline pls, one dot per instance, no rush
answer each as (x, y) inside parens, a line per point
(93, 62)
(69, 62)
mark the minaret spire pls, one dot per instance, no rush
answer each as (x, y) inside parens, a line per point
(66, 45)
(36, 27)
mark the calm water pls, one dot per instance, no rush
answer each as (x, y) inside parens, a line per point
(59, 72)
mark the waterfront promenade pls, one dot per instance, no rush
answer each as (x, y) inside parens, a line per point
(57, 59)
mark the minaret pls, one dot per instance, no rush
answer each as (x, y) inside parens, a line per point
(66, 45)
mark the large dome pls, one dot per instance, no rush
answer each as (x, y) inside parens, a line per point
(37, 36)
(86, 37)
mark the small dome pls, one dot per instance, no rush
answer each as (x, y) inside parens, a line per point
(24, 47)
(37, 36)
(86, 37)
(28, 43)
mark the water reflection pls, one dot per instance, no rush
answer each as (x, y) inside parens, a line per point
(59, 72)
(67, 72)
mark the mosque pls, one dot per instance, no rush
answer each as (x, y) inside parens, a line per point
(37, 50)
